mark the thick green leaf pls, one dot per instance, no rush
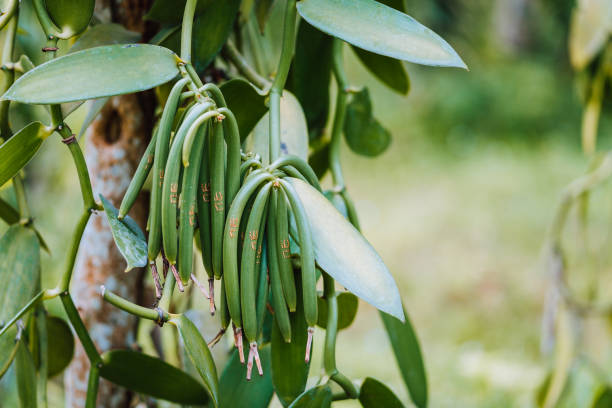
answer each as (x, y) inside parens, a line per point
(16, 152)
(347, 310)
(7, 213)
(247, 104)
(310, 76)
(104, 34)
(604, 399)
(390, 71)
(236, 392)
(61, 345)
(408, 356)
(378, 28)
(95, 73)
(289, 368)
(26, 376)
(294, 131)
(210, 31)
(342, 252)
(171, 11)
(317, 397)
(8, 349)
(374, 394)
(70, 16)
(590, 29)
(363, 133)
(128, 236)
(152, 376)
(199, 354)
(19, 269)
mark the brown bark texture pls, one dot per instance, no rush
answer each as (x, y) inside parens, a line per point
(114, 144)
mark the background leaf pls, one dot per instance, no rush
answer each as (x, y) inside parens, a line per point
(342, 252)
(7, 213)
(390, 71)
(590, 28)
(236, 392)
(26, 376)
(8, 349)
(199, 354)
(247, 104)
(16, 152)
(317, 397)
(95, 73)
(375, 394)
(380, 29)
(408, 356)
(104, 34)
(70, 16)
(152, 376)
(347, 310)
(364, 135)
(61, 345)
(171, 11)
(129, 238)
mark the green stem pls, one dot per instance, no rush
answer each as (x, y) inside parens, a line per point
(22, 202)
(239, 61)
(164, 302)
(280, 78)
(80, 329)
(331, 333)
(339, 114)
(8, 12)
(43, 342)
(186, 30)
(92, 386)
(8, 76)
(48, 26)
(64, 282)
(160, 316)
(23, 311)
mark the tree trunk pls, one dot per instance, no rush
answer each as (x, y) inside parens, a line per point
(115, 143)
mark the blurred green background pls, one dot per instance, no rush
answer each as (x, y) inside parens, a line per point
(458, 206)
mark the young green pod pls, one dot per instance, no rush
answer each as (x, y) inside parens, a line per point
(309, 291)
(230, 243)
(170, 187)
(261, 262)
(281, 314)
(204, 209)
(300, 165)
(162, 146)
(140, 176)
(248, 274)
(217, 186)
(283, 248)
(232, 140)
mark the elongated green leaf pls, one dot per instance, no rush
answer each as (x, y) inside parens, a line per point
(104, 34)
(378, 28)
(289, 369)
(342, 252)
(408, 356)
(294, 131)
(247, 104)
(70, 16)
(152, 376)
(211, 29)
(16, 152)
(317, 397)
(236, 392)
(8, 349)
(347, 310)
(199, 354)
(374, 394)
(61, 345)
(363, 133)
(95, 73)
(7, 213)
(19, 269)
(390, 71)
(26, 377)
(128, 236)
(590, 29)
(171, 11)
(311, 75)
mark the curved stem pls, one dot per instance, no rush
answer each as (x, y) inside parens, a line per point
(64, 282)
(9, 12)
(80, 329)
(164, 302)
(281, 77)
(186, 30)
(339, 114)
(242, 65)
(50, 29)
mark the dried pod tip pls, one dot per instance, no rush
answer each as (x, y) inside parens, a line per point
(238, 342)
(177, 278)
(309, 344)
(253, 354)
(102, 290)
(211, 291)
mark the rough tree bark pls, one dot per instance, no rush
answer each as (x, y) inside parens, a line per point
(115, 143)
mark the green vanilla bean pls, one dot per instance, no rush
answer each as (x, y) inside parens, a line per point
(157, 315)
(300, 165)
